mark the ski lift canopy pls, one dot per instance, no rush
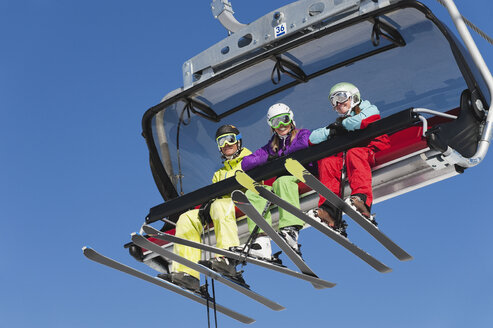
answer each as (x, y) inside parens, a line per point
(399, 55)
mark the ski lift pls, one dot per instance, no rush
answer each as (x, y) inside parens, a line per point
(433, 94)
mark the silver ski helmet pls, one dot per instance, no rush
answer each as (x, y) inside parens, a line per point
(343, 91)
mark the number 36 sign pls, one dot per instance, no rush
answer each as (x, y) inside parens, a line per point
(280, 30)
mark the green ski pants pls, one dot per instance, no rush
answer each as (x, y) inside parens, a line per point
(285, 187)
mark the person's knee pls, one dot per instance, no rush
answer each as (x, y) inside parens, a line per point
(186, 222)
(221, 208)
(283, 182)
(185, 218)
(217, 205)
(357, 152)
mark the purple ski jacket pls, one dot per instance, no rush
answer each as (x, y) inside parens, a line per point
(261, 155)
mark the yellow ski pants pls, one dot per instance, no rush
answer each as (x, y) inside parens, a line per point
(189, 227)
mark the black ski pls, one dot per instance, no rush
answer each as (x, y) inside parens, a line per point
(295, 168)
(242, 202)
(101, 259)
(247, 182)
(143, 242)
(235, 256)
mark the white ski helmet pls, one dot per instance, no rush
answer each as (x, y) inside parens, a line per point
(343, 91)
(279, 109)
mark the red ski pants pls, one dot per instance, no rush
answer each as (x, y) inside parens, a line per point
(359, 161)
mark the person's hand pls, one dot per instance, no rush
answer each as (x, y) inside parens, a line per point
(336, 128)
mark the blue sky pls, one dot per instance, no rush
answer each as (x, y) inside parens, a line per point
(76, 78)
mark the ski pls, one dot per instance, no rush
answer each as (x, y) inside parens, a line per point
(295, 168)
(242, 202)
(247, 182)
(235, 256)
(143, 242)
(106, 261)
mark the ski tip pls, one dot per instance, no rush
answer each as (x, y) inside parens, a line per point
(406, 258)
(245, 180)
(238, 196)
(385, 270)
(149, 230)
(295, 168)
(88, 251)
(324, 286)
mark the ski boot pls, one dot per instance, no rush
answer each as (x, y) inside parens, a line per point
(260, 248)
(290, 234)
(340, 228)
(359, 205)
(225, 267)
(182, 279)
(324, 217)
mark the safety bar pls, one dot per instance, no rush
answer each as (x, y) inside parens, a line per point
(429, 111)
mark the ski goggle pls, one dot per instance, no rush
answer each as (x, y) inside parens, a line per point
(277, 121)
(228, 139)
(339, 97)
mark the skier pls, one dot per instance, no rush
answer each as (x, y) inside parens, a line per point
(220, 211)
(285, 140)
(353, 114)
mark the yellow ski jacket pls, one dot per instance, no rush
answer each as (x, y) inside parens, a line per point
(230, 167)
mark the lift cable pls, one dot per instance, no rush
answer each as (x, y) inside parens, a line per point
(472, 26)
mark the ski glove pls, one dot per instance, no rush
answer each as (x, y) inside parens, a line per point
(336, 128)
(322, 134)
(205, 212)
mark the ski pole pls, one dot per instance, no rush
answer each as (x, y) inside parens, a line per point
(341, 187)
(253, 235)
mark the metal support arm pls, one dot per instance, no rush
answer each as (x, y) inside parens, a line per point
(222, 10)
(450, 154)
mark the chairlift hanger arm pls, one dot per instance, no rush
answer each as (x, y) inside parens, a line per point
(388, 125)
(222, 11)
(451, 154)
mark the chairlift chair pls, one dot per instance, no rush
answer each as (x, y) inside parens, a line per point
(433, 93)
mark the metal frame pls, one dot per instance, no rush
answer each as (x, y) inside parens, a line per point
(451, 155)
(259, 36)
